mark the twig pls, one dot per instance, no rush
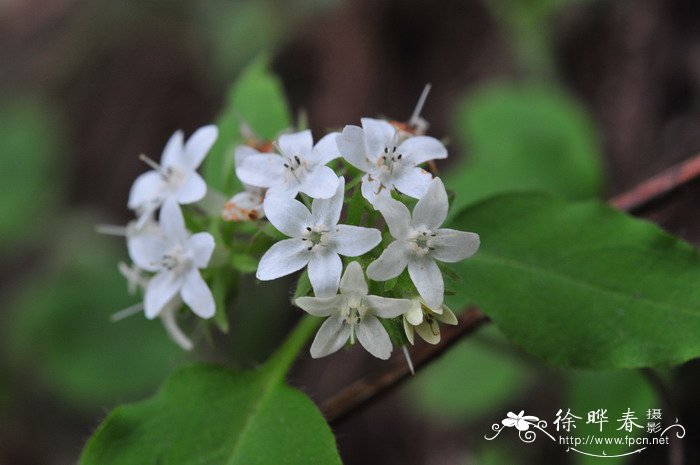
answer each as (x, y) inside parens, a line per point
(367, 390)
(658, 187)
(370, 388)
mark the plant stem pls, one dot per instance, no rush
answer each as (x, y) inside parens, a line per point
(281, 361)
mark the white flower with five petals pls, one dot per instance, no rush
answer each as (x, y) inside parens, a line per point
(420, 242)
(424, 320)
(175, 256)
(176, 176)
(299, 167)
(353, 313)
(389, 159)
(317, 240)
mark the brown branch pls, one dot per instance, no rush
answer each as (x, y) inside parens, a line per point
(366, 390)
(658, 187)
(369, 389)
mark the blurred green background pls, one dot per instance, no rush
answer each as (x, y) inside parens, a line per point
(584, 98)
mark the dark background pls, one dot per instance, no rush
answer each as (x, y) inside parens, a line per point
(90, 84)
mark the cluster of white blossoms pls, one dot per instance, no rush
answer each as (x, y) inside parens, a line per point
(365, 277)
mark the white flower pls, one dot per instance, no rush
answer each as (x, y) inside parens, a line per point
(246, 205)
(317, 240)
(353, 313)
(390, 160)
(520, 421)
(424, 320)
(176, 177)
(176, 257)
(420, 241)
(300, 167)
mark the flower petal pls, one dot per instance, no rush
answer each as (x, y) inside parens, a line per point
(199, 144)
(148, 187)
(415, 314)
(427, 278)
(262, 170)
(413, 181)
(324, 269)
(244, 206)
(408, 329)
(283, 258)
(378, 135)
(374, 337)
(172, 153)
(289, 216)
(320, 183)
(197, 295)
(146, 250)
(420, 149)
(396, 215)
(431, 210)
(386, 307)
(390, 263)
(321, 306)
(192, 190)
(172, 223)
(242, 152)
(353, 280)
(161, 289)
(326, 212)
(331, 336)
(325, 149)
(429, 331)
(353, 241)
(296, 144)
(447, 316)
(351, 144)
(202, 246)
(452, 246)
(372, 189)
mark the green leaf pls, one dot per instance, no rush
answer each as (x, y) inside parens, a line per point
(207, 414)
(581, 284)
(524, 138)
(59, 327)
(616, 392)
(256, 99)
(472, 379)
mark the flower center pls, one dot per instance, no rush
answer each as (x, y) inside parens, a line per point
(423, 240)
(295, 167)
(389, 160)
(353, 314)
(315, 236)
(176, 259)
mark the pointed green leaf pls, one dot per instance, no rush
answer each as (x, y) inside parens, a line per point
(210, 415)
(524, 137)
(256, 99)
(581, 284)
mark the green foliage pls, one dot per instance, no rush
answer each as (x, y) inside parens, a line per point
(472, 379)
(29, 143)
(59, 326)
(256, 99)
(522, 137)
(583, 285)
(616, 392)
(207, 414)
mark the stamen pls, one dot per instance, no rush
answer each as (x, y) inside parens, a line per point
(408, 359)
(393, 150)
(111, 230)
(127, 312)
(296, 158)
(386, 149)
(399, 157)
(419, 106)
(151, 163)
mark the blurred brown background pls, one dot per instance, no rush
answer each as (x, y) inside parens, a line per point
(117, 78)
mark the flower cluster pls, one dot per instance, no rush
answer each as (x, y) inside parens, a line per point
(375, 270)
